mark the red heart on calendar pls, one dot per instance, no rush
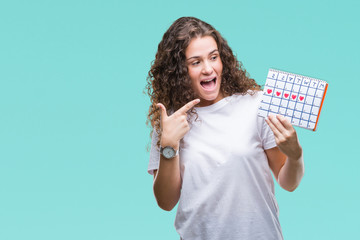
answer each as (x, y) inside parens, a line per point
(293, 97)
(278, 93)
(286, 95)
(301, 98)
(269, 91)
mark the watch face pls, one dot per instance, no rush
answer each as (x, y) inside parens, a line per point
(168, 152)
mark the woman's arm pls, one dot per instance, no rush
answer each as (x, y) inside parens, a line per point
(288, 172)
(167, 179)
(285, 160)
(167, 183)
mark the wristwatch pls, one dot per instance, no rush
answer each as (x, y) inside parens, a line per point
(168, 152)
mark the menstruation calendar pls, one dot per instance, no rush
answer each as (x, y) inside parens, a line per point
(296, 97)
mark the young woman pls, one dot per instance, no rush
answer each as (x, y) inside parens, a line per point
(210, 151)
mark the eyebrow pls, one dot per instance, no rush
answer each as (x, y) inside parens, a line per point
(213, 51)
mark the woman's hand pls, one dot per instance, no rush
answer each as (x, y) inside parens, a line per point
(175, 126)
(285, 136)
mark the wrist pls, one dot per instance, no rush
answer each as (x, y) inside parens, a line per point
(167, 142)
(297, 155)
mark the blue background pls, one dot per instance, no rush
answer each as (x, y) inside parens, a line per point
(73, 159)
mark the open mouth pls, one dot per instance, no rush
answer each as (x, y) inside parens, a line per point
(208, 84)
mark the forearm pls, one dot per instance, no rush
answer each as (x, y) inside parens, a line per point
(167, 183)
(291, 173)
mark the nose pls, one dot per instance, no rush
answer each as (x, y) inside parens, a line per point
(207, 68)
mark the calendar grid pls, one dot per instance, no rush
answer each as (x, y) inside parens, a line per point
(307, 90)
(292, 85)
(312, 105)
(297, 97)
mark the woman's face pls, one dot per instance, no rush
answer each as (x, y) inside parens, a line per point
(204, 69)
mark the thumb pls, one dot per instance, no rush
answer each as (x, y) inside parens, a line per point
(163, 113)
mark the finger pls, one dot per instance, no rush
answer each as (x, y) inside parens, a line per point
(188, 106)
(273, 128)
(285, 122)
(275, 121)
(163, 113)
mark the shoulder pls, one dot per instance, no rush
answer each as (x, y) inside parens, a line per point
(251, 96)
(244, 103)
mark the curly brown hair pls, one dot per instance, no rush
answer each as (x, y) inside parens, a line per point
(168, 81)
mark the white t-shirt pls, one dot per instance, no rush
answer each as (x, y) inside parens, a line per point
(227, 187)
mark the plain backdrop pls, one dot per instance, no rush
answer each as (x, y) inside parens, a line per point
(73, 158)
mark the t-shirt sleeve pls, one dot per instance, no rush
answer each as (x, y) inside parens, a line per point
(265, 132)
(267, 135)
(154, 154)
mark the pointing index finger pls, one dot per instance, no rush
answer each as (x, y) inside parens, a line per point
(188, 106)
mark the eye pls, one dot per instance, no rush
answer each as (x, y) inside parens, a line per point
(195, 63)
(214, 57)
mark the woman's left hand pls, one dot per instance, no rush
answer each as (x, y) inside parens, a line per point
(285, 136)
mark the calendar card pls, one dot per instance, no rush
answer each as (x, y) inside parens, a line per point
(296, 97)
